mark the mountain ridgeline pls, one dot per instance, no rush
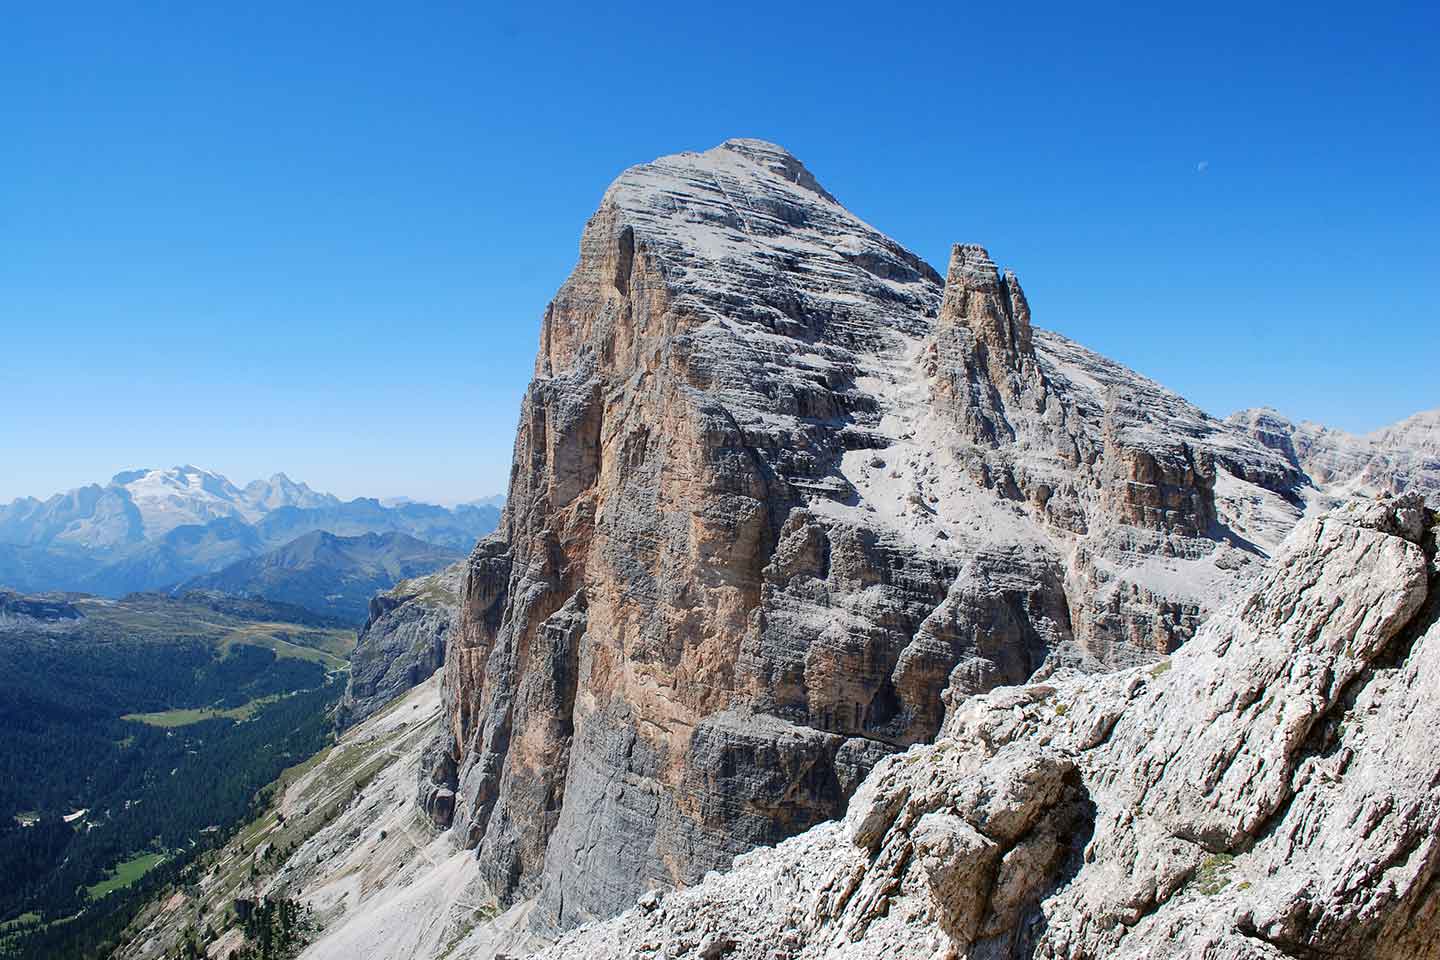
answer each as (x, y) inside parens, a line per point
(798, 525)
(334, 576)
(780, 493)
(154, 529)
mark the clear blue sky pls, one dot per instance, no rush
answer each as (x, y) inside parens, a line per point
(319, 238)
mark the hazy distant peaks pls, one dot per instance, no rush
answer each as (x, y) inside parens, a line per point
(280, 491)
(166, 522)
(1419, 431)
(1402, 457)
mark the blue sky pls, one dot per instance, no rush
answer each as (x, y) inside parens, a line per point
(319, 238)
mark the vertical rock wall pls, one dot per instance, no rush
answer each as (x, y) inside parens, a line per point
(777, 488)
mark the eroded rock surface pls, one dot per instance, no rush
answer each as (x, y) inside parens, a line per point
(1270, 791)
(402, 642)
(778, 489)
(1403, 457)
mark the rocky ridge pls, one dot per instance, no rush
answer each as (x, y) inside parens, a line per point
(779, 490)
(1267, 792)
(1400, 458)
(402, 642)
(153, 529)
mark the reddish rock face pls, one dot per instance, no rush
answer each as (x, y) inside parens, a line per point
(1270, 791)
(777, 488)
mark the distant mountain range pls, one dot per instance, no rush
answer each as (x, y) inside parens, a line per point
(153, 529)
(330, 575)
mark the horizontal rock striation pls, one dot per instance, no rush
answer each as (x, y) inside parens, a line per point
(1268, 792)
(778, 490)
(1401, 458)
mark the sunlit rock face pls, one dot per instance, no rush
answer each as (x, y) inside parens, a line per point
(1401, 458)
(780, 489)
(1268, 792)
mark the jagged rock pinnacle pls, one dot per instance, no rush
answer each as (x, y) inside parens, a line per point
(778, 491)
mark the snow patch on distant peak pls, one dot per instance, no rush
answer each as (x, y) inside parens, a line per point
(184, 495)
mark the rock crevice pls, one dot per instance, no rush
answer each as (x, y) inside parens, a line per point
(1268, 791)
(778, 492)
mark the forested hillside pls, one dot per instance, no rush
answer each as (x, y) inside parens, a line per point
(139, 733)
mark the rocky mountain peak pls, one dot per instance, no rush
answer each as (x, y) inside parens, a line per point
(786, 507)
(281, 491)
(733, 217)
(779, 489)
(778, 160)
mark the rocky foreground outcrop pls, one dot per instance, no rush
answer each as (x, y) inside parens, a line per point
(779, 490)
(402, 643)
(1270, 791)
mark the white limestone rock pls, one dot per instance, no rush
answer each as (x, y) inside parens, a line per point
(1272, 790)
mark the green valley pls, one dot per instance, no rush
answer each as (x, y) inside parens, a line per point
(140, 733)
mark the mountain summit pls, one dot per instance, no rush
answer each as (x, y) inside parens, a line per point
(786, 503)
(280, 491)
(147, 504)
(149, 529)
(781, 491)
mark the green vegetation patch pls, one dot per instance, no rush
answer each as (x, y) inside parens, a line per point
(186, 716)
(1214, 874)
(314, 792)
(157, 620)
(327, 647)
(125, 873)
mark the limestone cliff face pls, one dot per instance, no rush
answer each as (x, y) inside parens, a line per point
(778, 490)
(1269, 792)
(402, 643)
(1401, 458)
